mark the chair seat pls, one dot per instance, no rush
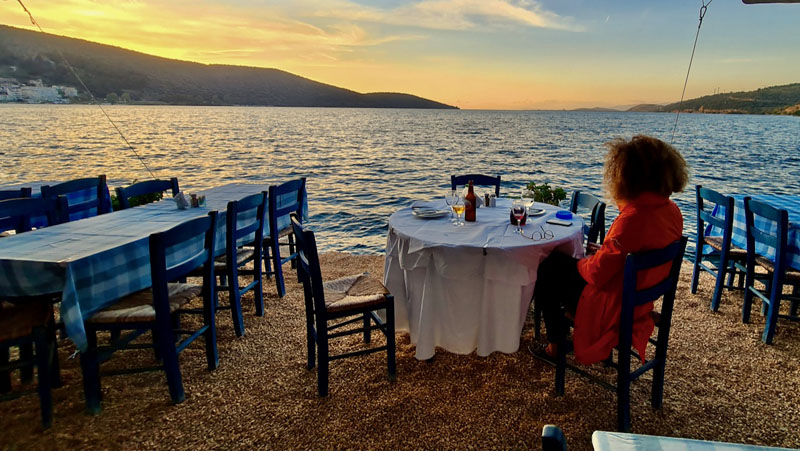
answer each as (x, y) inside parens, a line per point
(138, 307)
(792, 276)
(18, 320)
(735, 253)
(353, 292)
(242, 255)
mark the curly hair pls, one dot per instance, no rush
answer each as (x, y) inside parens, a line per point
(643, 164)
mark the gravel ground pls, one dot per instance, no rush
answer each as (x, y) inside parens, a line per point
(722, 383)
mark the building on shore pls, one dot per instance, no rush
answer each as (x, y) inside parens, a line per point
(34, 91)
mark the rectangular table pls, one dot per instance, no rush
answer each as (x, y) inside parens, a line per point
(97, 260)
(790, 203)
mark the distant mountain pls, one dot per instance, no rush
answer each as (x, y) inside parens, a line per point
(601, 109)
(105, 69)
(783, 99)
(647, 108)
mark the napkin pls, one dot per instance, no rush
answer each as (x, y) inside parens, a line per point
(181, 201)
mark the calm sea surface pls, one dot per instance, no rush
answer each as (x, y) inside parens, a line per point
(363, 164)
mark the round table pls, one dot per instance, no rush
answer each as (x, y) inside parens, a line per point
(469, 288)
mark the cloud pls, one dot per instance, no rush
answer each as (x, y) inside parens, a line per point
(453, 14)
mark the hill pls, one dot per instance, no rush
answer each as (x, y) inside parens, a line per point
(784, 99)
(145, 78)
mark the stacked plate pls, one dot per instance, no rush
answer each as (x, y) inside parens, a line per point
(428, 212)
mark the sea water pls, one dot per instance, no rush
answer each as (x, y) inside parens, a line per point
(363, 164)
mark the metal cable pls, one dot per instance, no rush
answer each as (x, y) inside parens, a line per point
(94, 100)
(703, 10)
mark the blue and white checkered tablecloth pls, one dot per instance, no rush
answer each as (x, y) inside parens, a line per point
(790, 203)
(98, 260)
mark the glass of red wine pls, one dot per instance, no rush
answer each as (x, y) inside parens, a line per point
(518, 210)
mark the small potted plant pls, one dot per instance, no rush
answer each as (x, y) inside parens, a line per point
(544, 193)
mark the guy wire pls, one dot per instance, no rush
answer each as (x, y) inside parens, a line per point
(703, 10)
(94, 100)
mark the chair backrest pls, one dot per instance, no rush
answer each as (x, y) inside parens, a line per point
(284, 199)
(477, 179)
(85, 197)
(174, 253)
(16, 214)
(633, 295)
(706, 217)
(767, 229)
(245, 222)
(595, 231)
(146, 187)
(15, 193)
(308, 267)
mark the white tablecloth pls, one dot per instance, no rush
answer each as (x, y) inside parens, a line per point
(468, 288)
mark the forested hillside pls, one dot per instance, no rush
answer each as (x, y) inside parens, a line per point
(144, 78)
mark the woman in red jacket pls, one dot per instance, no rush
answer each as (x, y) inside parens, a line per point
(640, 175)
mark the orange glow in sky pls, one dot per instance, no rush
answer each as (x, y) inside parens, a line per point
(492, 54)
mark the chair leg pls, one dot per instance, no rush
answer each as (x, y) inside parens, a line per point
(90, 366)
(171, 366)
(748, 294)
(367, 331)
(624, 391)
(278, 269)
(561, 367)
(236, 304)
(696, 271)
(5, 376)
(322, 366)
(772, 312)
(26, 353)
(311, 343)
(391, 359)
(258, 294)
(537, 320)
(156, 348)
(721, 270)
(266, 257)
(210, 335)
(44, 357)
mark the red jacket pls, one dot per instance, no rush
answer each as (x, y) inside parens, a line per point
(648, 222)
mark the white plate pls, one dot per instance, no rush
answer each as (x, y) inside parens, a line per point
(536, 212)
(428, 213)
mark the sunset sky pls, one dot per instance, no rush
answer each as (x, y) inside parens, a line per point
(492, 54)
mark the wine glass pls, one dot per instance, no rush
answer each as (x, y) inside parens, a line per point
(450, 198)
(518, 210)
(458, 208)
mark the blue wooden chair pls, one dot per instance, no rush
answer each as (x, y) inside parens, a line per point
(284, 199)
(632, 297)
(16, 214)
(768, 226)
(86, 197)
(146, 187)
(477, 179)
(15, 193)
(245, 233)
(595, 231)
(352, 300)
(27, 325)
(722, 256)
(174, 254)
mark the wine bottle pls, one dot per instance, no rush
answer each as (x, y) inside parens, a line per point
(470, 204)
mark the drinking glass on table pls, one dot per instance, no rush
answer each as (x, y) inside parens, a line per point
(450, 196)
(458, 208)
(518, 210)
